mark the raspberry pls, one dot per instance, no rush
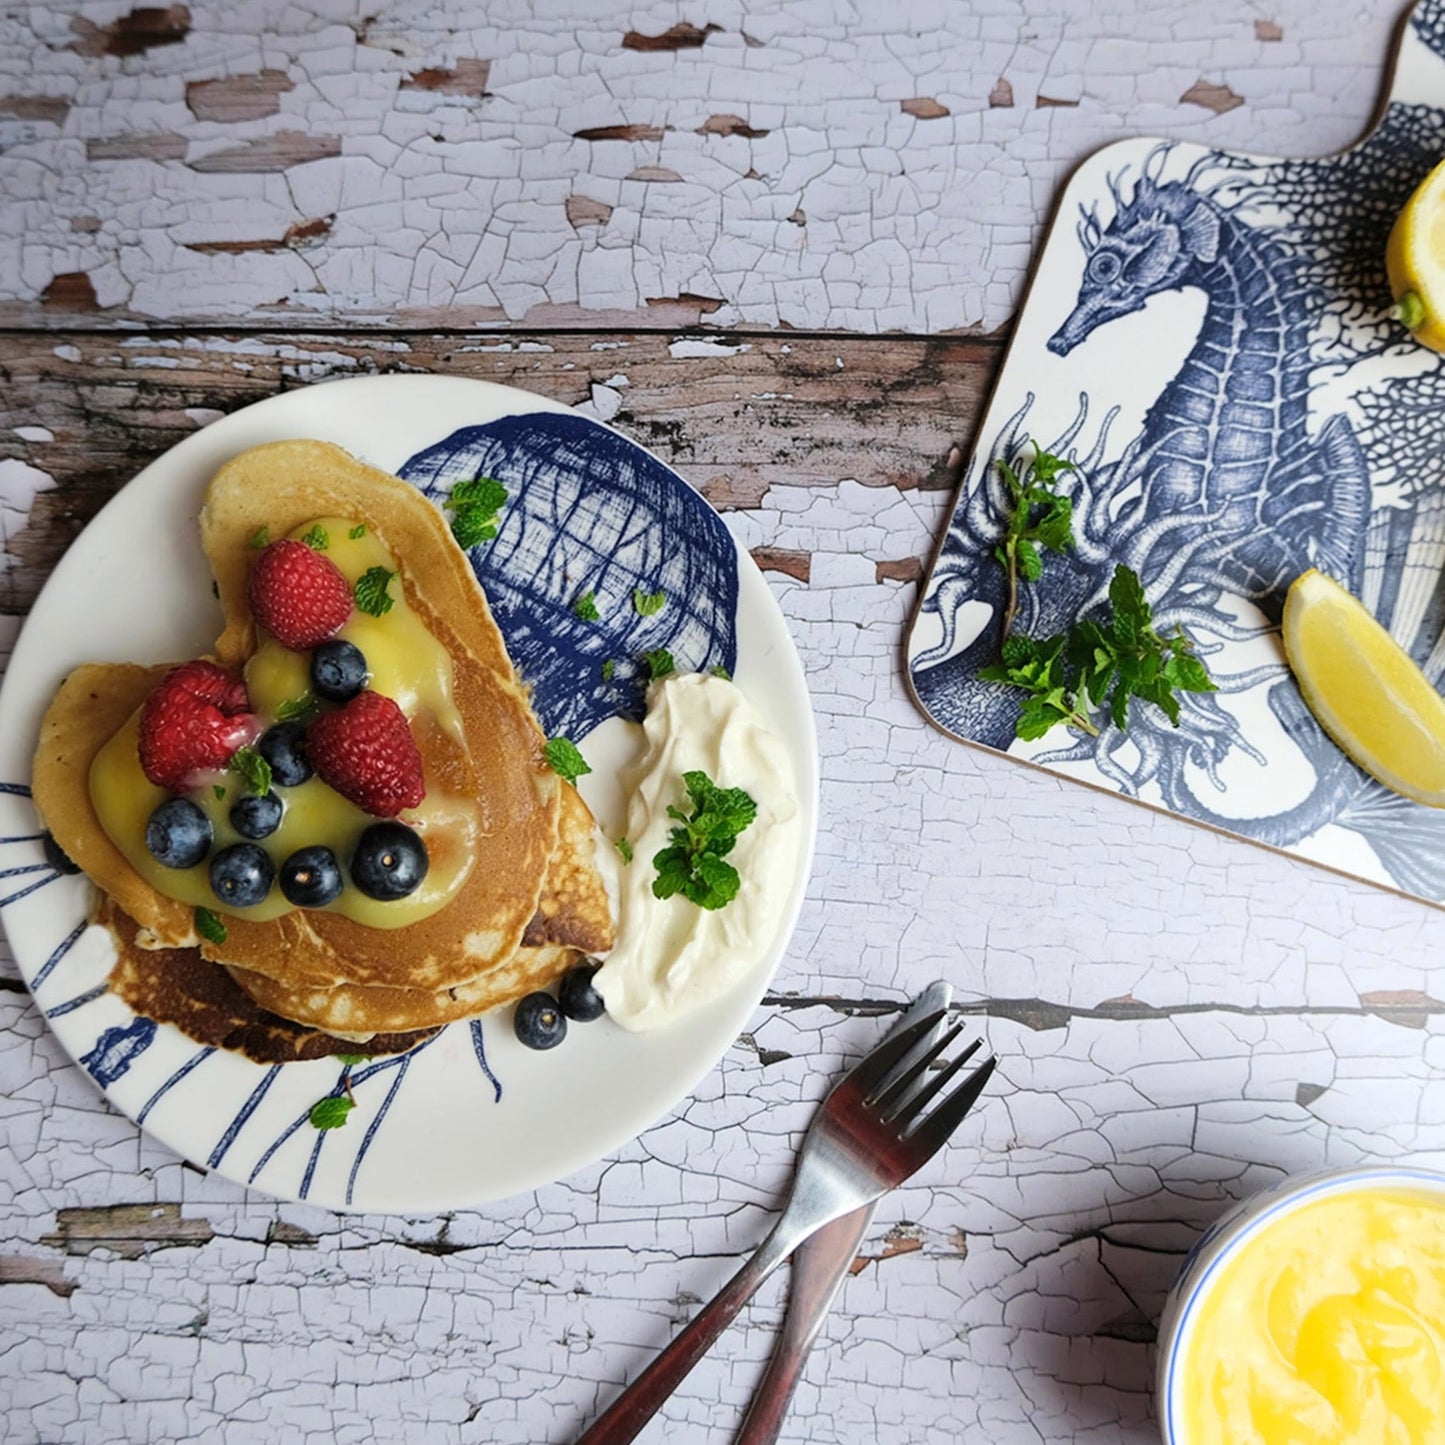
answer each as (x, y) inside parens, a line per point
(297, 595)
(365, 751)
(195, 718)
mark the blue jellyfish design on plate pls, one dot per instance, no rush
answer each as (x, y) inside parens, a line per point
(590, 512)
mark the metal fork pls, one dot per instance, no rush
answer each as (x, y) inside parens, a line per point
(868, 1136)
(819, 1266)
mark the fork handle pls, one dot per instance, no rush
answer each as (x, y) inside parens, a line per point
(637, 1404)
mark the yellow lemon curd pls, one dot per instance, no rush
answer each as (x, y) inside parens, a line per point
(1327, 1327)
(406, 663)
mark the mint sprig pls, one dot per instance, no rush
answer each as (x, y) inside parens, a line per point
(659, 662)
(1039, 520)
(1101, 663)
(318, 538)
(648, 604)
(475, 507)
(585, 607)
(694, 863)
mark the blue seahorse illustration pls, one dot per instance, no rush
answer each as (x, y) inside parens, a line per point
(1230, 490)
(1225, 490)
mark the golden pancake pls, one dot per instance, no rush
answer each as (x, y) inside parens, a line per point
(177, 986)
(282, 486)
(572, 920)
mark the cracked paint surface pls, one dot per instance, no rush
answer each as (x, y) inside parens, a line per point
(817, 165)
(1180, 1018)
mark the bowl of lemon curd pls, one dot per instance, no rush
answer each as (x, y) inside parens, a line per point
(1312, 1314)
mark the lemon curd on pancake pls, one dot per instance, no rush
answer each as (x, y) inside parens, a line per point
(433, 751)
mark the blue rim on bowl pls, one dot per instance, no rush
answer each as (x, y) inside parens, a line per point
(1223, 1240)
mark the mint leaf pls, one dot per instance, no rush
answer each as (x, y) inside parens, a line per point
(331, 1113)
(350, 1060)
(371, 592)
(475, 507)
(648, 604)
(219, 791)
(252, 769)
(625, 848)
(260, 537)
(564, 759)
(608, 668)
(298, 709)
(1188, 674)
(318, 538)
(210, 926)
(484, 492)
(659, 663)
(586, 607)
(722, 672)
(357, 532)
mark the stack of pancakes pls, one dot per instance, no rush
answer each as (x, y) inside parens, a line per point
(314, 982)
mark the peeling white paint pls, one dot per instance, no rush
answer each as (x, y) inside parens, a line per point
(455, 205)
(20, 484)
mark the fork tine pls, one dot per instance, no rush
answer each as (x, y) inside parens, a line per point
(930, 1135)
(871, 1070)
(897, 1086)
(908, 1110)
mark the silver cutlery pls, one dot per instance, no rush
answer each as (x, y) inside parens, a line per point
(876, 1128)
(820, 1265)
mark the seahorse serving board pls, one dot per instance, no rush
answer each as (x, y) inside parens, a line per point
(1207, 338)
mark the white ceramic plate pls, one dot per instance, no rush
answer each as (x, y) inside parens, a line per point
(472, 1115)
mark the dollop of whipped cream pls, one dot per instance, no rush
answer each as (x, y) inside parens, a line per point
(672, 956)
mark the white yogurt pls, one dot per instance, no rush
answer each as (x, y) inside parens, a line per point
(671, 956)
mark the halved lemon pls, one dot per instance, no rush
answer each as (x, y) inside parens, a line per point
(1365, 689)
(1415, 261)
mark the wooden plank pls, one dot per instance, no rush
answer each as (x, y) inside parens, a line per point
(735, 415)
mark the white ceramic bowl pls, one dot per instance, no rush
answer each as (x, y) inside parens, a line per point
(1222, 1241)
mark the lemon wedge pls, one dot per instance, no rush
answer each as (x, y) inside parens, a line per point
(1415, 261)
(1365, 689)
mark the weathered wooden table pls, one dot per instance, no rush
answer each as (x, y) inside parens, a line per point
(780, 243)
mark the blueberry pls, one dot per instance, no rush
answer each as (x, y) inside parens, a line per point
(178, 833)
(284, 747)
(338, 670)
(577, 998)
(389, 862)
(311, 877)
(254, 817)
(241, 875)
(539, 1022)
